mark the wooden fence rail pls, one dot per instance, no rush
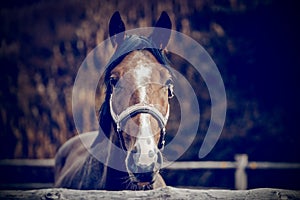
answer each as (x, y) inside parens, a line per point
(27, 162)
(240, 165)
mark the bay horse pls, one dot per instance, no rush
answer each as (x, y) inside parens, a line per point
(133, 117)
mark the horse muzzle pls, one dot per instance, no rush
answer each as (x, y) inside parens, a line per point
(143, 167)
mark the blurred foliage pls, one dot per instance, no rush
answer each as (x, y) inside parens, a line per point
(43, 44)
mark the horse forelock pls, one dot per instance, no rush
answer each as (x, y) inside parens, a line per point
(130, 44)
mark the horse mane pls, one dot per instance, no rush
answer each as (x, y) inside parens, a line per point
(130, 43)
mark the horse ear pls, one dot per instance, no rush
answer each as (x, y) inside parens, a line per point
(161, 37)
(116, 25)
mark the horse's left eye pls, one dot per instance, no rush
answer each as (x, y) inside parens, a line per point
(169, 82)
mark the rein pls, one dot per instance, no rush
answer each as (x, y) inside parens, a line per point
(137, 109)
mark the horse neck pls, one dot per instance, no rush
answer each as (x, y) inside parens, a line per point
(105, 148)
(115, 179)
(107, 142)
(115, 157)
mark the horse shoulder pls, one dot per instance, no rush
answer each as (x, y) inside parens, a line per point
(71, 158)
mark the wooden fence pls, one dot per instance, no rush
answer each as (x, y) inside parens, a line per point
(240, 165)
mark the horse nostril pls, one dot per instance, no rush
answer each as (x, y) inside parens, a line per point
(151, 154)
(159, 162)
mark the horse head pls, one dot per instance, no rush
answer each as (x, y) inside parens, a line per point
(139, 85)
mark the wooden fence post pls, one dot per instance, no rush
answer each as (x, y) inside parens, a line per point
(240, 173)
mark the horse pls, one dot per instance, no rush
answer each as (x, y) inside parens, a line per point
(133, 117)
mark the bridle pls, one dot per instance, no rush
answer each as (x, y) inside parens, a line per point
(137, 109)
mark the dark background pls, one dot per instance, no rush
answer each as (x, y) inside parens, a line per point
(254, 44)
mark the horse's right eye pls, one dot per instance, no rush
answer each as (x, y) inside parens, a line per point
(113, 81)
